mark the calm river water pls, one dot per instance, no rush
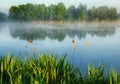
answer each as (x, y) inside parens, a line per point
(96, 46)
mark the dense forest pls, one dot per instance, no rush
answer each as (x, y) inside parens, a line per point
(34, 12)
(60, 12)
(3, 17)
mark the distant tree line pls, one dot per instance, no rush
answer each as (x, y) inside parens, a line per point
(58, 12)
(3, 17)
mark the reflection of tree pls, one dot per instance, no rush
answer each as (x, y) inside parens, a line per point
(56, 34)
(0, 28)
(34, 34)
(59, 34)
(2, 25)
(103, 32)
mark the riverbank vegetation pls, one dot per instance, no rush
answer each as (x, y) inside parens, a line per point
(47, 69)
(41, 12)
(60, 13)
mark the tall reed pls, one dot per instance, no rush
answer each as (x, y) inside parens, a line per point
(47, 70)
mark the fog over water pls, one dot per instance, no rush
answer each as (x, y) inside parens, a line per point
(95, 43)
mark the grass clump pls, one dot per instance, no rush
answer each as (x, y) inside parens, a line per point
(47, 70)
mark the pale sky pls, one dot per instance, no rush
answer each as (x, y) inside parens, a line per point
(6, 4)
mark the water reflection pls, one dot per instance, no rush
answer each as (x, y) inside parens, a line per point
(33, 33)
(80, 45)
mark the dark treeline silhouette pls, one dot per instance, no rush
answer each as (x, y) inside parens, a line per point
(30, 12)
(3, 17)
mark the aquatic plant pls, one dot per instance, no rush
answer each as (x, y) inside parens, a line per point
(73, 41)
(46, 69)
(86, 43)
(30, 40)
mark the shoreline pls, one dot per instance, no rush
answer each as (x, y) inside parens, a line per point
(67, 24)
(84, 24)
(81, 22)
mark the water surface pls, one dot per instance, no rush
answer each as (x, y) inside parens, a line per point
(99, 45)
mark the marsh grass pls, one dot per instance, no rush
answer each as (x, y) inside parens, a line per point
(47, 70)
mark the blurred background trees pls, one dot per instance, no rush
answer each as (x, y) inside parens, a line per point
(31, 12)
(3, 17)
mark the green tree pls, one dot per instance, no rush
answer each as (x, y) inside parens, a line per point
(42, 9)
(112, 13)
(92, 13)
(82, 12)
(22, 12)
(29, 12)
(61, 11)
(72, 14)
(14, 12)
(52, 12)
(102, 13)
